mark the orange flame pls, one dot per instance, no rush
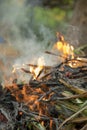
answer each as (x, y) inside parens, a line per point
(63, 47)
(36, 71)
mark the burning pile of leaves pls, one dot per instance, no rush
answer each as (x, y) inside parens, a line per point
(54, 99)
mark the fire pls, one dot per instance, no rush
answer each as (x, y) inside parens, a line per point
(37, 70)
(64, 48)
(34, 97)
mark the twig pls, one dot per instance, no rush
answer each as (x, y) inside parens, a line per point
(82, 59)
(26, 71)
(71, 97)
(46, 67)
(37, 115)
(39, 74)
(54, 69)
(75, 89)
(84, 127)
(81, 47)
(71, 117)
(51, 53)
(79, 120)
(79, 75)
(47, 93)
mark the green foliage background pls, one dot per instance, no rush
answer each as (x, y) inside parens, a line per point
(26, 21)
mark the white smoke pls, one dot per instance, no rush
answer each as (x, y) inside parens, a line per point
(17, 27)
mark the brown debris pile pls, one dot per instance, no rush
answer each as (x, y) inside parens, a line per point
(54, 98)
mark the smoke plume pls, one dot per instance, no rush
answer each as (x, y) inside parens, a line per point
(25, 40)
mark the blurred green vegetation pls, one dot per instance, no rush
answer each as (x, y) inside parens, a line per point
(27, 21)
(53, 18)
(43, 21)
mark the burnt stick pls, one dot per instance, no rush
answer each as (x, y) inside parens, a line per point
(39, 74)
(47, 93)
(46, 67)
(26, 71)
(77, 76)
(53, 70)
(70, 97)
(51, 53)
(72, 88)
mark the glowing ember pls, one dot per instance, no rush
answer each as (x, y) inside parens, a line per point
(64, 48)
(78, 62)
(36, 71)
